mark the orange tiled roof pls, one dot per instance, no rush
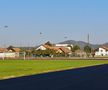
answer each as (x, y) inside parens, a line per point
(104, 47)
(65, 50)
(56, 48)
(50, 47)
(17, 49)
(3, 49)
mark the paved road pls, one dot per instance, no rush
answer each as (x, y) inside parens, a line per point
(90, 78)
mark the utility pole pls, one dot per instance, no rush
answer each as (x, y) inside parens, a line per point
(4, 52)
(88, 39)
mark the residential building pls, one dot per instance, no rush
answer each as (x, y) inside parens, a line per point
(9, 52)
(64, 45)
(101, 51)
(58, 49)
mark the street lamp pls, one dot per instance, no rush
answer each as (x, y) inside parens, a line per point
(5, 26)
(4, 47)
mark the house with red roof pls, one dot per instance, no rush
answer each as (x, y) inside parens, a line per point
(101, 51)
(9, 52)
(58, 49)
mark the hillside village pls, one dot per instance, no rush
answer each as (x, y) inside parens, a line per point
(53, 50)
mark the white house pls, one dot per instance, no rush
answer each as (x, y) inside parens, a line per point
(64, 45)
(9, 52)
(58, 49)
(101, 51)
(8, 55)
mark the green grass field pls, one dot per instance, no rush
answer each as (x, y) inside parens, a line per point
(16, 68)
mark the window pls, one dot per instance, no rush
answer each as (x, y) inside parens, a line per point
(101, 50)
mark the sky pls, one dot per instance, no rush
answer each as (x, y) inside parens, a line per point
(33, 22)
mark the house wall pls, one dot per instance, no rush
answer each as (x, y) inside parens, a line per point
(59, 51)
(63, 45)
(101, 52)
(10, 55)
(2, 55)
(41, 48)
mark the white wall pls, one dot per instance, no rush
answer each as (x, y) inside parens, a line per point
(2, 55)
(10, 55)
(41, 48)
(63, 45)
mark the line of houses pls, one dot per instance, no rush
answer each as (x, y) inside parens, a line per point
(12, 52)
(65, 48)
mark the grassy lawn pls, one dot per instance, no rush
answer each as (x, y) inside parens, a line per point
(16, 68)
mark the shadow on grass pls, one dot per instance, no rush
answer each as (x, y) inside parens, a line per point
(89, 78)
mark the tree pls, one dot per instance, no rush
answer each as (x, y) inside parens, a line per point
(93, 53)
(49, 43)
(47, 52)
(76, 47)
(73, 49)
(88, 50)
(28, 53)
(10, 47)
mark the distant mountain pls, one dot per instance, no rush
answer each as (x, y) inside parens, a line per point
(81, 43)
(105, 44)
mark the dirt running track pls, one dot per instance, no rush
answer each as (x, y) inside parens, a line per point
(90, 78)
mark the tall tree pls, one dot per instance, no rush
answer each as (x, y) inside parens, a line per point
(10, 47)
(88, 50)
(76, 47)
